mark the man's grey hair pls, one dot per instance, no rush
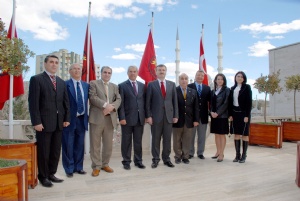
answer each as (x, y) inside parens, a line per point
(136, 68)
(106, 67)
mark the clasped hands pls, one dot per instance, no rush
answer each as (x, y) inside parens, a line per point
(108, 109)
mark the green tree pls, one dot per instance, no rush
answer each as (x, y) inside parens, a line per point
(268, 84)
(292, 83)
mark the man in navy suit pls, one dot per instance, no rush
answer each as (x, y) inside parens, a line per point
(204, 94)
(188, 119)
(132, 118)
(73, 135)
(49, 111)
(161, 113)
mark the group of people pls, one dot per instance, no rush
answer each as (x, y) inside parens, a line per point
(59, 114)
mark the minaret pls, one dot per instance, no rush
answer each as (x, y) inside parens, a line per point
(220, 49)
(177, 61)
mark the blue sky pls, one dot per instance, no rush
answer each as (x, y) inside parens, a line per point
(120, 29)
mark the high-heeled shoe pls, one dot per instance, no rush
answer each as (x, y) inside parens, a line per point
(215, 157)
(220, 160)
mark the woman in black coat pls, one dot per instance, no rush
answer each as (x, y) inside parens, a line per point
(219, 114)
(240, 106)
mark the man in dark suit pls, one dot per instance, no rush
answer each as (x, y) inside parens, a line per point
(161, 113)
(73, 135)
(49, 112)
(188, 119)
(204, 94)
(132, 118)
(105, 100)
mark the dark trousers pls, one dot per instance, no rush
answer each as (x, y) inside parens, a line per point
(162, 130)
(73, 147)
(48, 152)
(129, 134)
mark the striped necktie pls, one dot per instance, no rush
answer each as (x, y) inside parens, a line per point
(53, 79)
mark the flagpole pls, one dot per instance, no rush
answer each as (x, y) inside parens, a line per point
(11, 81)
(152, 25)
(88, 47)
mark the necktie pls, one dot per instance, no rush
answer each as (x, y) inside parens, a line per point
(199, 89)
(163, 89)
(80, 108)
(53, 79)
(106, 91)
(134, 88)
(184, 94)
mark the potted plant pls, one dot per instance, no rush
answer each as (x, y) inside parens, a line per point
(13, 180)
(21, 149)
(290, 129)
(268, 134)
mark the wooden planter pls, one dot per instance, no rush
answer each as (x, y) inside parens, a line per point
(13, 182)
(291, 131)
(265, 134)
(25, 151)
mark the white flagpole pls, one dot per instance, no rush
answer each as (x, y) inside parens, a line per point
(87, 136)
(11, 82)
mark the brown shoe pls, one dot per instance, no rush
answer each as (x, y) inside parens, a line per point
(107, 169)
(95, 172)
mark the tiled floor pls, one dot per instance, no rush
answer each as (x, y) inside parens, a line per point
(268, 174)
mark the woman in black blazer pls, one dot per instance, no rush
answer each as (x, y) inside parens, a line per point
(240, 106)
(219, 114)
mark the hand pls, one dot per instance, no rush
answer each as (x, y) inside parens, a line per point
(66, 124)
(123, 122)
(39, 127)
(110, 107)
(149, 121)
(246, 119)
(230, 118)
(175, 120)
(196, 124)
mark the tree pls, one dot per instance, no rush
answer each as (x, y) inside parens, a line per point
(268, 84)
(292, 83)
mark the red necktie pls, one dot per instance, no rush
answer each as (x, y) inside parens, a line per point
(53, 81)
(163, 89)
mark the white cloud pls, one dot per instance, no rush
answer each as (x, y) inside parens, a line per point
(172, 2)
(273, 28)
(37, 16)
(260, 49)
(125, 56)
(274, 37)
(117, 49)
(118, 69)
(138, 47)
(194, 6)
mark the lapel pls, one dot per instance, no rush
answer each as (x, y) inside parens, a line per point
(48, 80)
(71, 88)
(243, 87)
(179, 92)
(140, 88)
(85, 89)
(129, 85)
(157, 86)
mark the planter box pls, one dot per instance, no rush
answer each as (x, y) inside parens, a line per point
(26, 151)
(13, 182)
(291, 131)
(265, 134)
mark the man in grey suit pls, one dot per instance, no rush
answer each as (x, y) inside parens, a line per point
(105, 100)
(49, 112)
(132, 118)
(161, 113)
(204, 94)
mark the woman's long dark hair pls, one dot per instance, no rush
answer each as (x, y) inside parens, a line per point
(244, 76)
(224, 80)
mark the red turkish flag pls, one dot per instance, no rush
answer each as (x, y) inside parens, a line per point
(148, 63)
(4, 78)
(91, 67)
(202, 62)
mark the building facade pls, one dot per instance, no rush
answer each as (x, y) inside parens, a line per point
(287, 60)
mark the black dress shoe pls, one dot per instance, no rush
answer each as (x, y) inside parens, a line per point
(186, 161)
(169, 164)
(154, 165)
(140, 165)
(127, 167)
(191, 156)
(201, 157)
(69, 175)
(46, 183)
(81, 172)
(177, 160)
(55, 179)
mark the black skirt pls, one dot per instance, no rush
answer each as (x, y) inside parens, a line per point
(219, 126)
(238, 126)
